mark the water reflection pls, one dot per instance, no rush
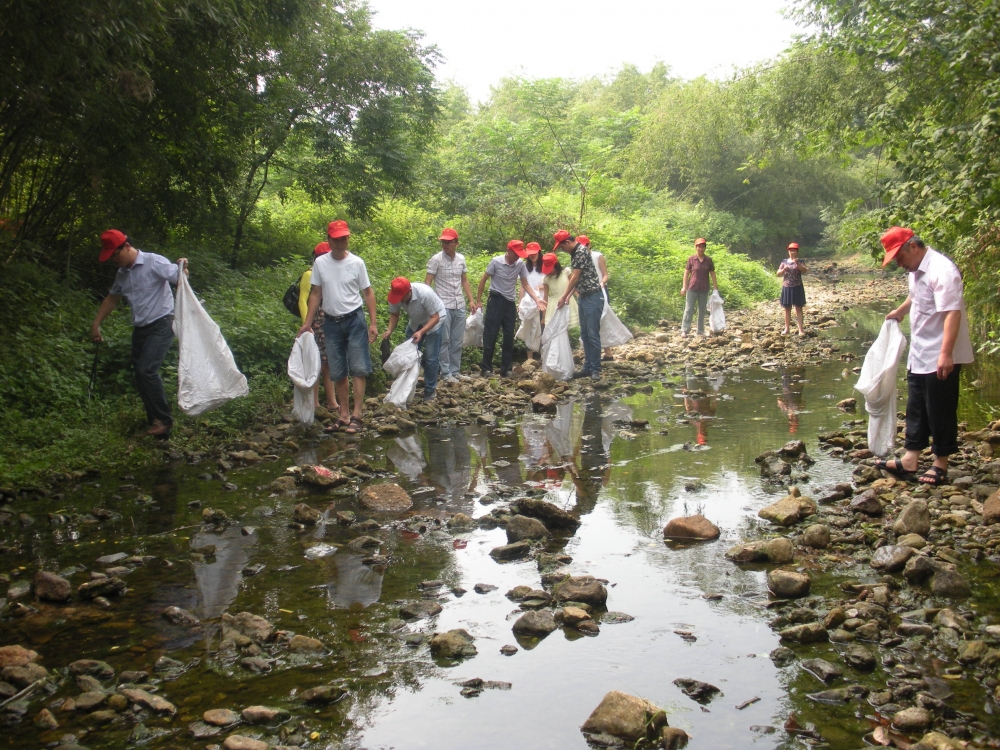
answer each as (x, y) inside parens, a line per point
(354, 585)
(407, 456)
(701, 399)
(218, 582)
(791, 399)
(450, 463)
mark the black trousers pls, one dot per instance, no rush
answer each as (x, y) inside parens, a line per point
(932, 412)
(149, 347)
(500, 314)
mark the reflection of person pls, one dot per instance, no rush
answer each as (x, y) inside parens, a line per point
(450, 467)
(357, 585)
(446, 272)
(427, 318)
(694, 286)
(506, 447)
(407, 456)
(593, 457)
(704, 407)
(793, 293)
(144, 280)
(340, 282)
(790, 400)
(305, 286)
(219, 581)
(939, 346)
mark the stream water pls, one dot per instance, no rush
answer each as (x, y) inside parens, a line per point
(695, 614)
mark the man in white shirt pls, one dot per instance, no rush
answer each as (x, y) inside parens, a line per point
(427, 319)
(939, 346)
(446, 272)
(340, 283)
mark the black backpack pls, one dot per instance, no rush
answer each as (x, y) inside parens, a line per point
(291, 298)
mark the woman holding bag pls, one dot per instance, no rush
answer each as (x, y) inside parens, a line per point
(793, 293)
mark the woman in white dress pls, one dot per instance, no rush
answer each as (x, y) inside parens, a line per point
(536, 279)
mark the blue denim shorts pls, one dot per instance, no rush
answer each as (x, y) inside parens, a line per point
(347, 346)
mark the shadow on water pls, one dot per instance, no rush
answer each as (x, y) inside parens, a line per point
(696, 615)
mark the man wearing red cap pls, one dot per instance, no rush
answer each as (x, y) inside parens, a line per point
(340, 284)
(144, 280)
(504, 271)
(939, 346)
(446, 272)
(694, 286)
(427, 316)
(590, 301)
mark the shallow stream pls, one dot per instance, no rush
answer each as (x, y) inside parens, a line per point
(696, 615)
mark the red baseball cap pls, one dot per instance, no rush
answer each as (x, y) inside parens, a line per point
(517, 246)
(549, 261)
(448, 234)
(700, 241)
(321, 249)
(561, 236)
(111, 240)
(337, 229)
(583, 239)
(399, 288)
(793, 245)
(531, 248)
(894, 239)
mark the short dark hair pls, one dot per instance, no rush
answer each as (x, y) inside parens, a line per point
(915, 239)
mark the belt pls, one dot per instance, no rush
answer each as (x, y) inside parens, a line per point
(590, 294)
(501, 296)
(168, 318)
(338, 318)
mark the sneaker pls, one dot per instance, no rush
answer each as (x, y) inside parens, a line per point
(158, 430)
(450, 379)
(486, 373)
(429, 397)
(505, 374)
(595, 376)
(580, 374)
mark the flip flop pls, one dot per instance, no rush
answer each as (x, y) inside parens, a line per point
(896, 469)
(353, 426)
(934, 477)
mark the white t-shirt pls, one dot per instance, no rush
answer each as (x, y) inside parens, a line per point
(342, 282)
(935, 289)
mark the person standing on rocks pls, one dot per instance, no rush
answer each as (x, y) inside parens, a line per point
(602, 270)
(590, 301)
(536, 280)
(340, 284)
(503, 273)
(305, 286)
(939, 346)
(446, 273)
(427, 319)
(793, 293)
(694, 286)
(144, 279)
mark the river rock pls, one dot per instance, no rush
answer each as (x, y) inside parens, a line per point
(461, 520)
(539, 622)
(625, 716)
(220, 717)
(948, 618)
(320, 476)
(322, 695)
(586, 589)
(822, 669)
(991, 509)
(912, 540)
(385, 498)
(455, 644)
(239, 742)
(891, 558)
(520, 528)
(264, 715)
(918, 569)
(199, 730)
(419, 609)
(302, 644)
(816, 536)
(49, 587)
(673, 738)
(810, 632)
(860, 658)
(779, 551)
(305, 515)
(147, 700)
(284, 483)
(868, 503)
(972, 652)
(702, 692)
(551, 515)
(93, 667)
(747, 552)
(792, 449)
(179, 616)
(911, 720)
(691, 528)
(16, 656)
(90, 700)
(949, 583)
(788, 584)
(251, 625)
(573, 616)
(544, 402)
(914, 518)
(513, 551)
(772, 466)
(788, 511)
(102, 587)
(937, 741)
(99, 718)
(45, 721)
(782, 656)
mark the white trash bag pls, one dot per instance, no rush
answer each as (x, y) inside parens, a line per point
(716, 313)
(877, 384)
(474, 329)
(530, 330)
(557, 352)
(404, 365)
(613, 331)
(207, 376)
(304, 366)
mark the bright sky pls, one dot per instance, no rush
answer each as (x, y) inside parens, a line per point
(483, 40)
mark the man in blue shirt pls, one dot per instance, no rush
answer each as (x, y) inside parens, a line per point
(144, 280)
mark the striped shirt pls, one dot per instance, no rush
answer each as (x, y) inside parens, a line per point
(447, 273)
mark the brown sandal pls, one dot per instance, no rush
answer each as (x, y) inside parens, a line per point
(354, 425)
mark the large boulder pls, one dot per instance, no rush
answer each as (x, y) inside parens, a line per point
(455, 644)
(691, 528)
(891, 558)
(586, 589)
(949, 583)
(538, 622)
(817, 536)
(49, 587)
(513, 551)
(520, 528)
(789, 510)
(915, 518)
(868, 503)
(788, 584)
(626, 717)
(385, 498)
(320, 476)
(551, 515)
(544, 402)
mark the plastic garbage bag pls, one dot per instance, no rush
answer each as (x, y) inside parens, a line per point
(530, 330)
(207, 376)
(613, 331)
(716, 313)
(474, 329)
(404, 365)
(877, 384)
(557, 352)
(304, 366)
